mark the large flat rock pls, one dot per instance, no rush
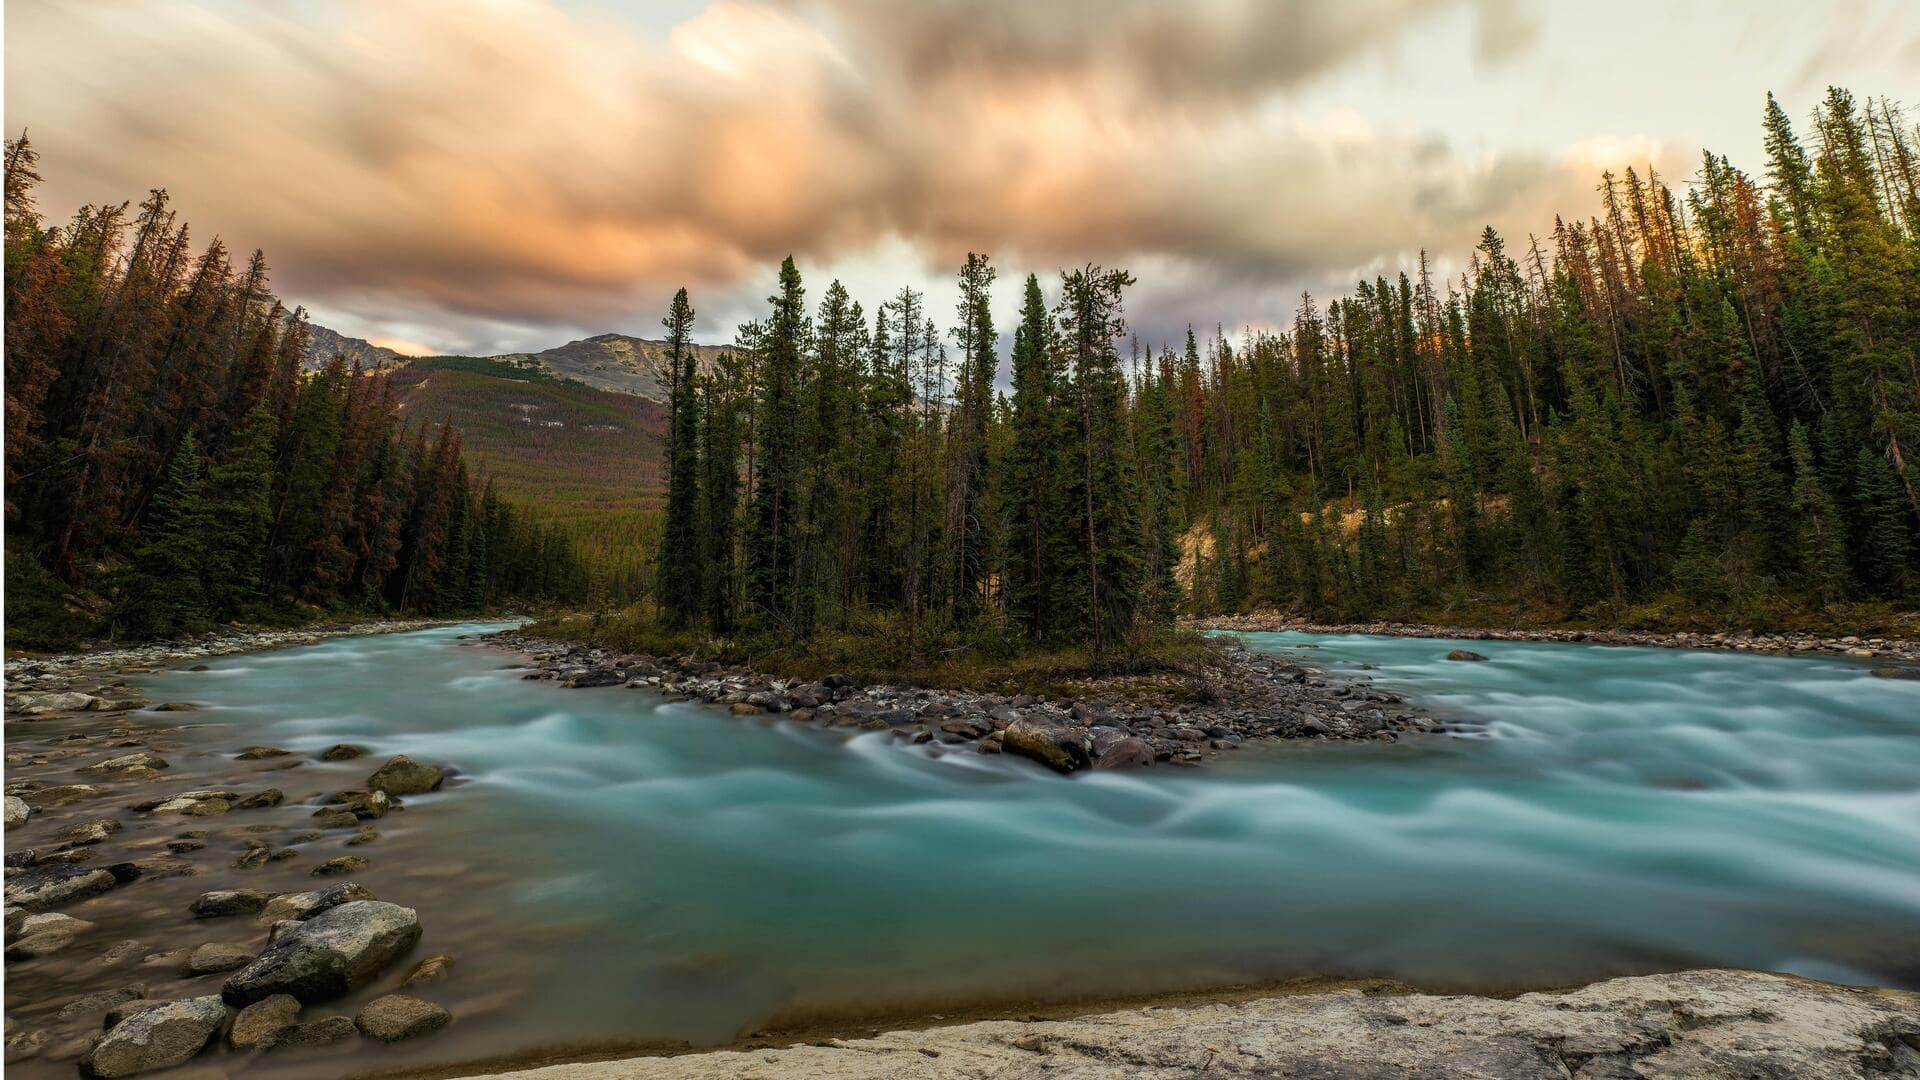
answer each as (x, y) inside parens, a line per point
(1656, 1027)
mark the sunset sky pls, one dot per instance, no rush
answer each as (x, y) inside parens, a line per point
(486, 175)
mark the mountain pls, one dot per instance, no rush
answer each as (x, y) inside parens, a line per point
(613, 362)
(323, 343)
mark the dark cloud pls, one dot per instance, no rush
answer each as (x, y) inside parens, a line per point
(510, 164)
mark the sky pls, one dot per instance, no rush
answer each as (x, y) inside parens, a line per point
(482, 176)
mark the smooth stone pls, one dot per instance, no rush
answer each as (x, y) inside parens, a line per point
(158, 1037)
(55, 885)
(88, 832)
(224, 902)
(1056, 746)
(431, 970)
(322, 1032)
(1131, 752)
(340, 864)
(330, 954)
(402, 775)
(216, 956)
(1464, 654)
(260, 753)
(342, 752)
(144, 761)
(260, 800)
(259, 1023)
(395, 1017)
(17, 811)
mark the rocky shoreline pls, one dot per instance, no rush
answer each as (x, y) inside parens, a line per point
(23, 670)
(107, 837)
(1249, 696)
(1865, 648)
(1710, 1023)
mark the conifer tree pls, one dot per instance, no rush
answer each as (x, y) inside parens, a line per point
(679, 572)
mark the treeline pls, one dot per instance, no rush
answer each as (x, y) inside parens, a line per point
(1703, 399)
(166, 454)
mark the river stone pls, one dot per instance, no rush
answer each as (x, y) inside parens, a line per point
(342, 752)
(397, 1016)
(305, 905)
(224, 902)
(260, 800)
(157, 1037)
(402, 775)
(101, 1001)
(31, 945)
(1131, 752)
(60, 795)
(17, 811)
(340, 864)
(1891, 672)
(145, 762)
(260, 753)
(1056, 746)
(16, 918)
(328, 955)
(52, 886)
(217, 956)
(431, 970)
(88, 832)
(259, 1023)
(1464, 654)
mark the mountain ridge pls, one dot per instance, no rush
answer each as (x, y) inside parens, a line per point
(612, 362)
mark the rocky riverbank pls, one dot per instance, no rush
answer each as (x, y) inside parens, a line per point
(1866, 648)
(1243, 696)
(1656, 1027)
(41, 671)
(168, 901)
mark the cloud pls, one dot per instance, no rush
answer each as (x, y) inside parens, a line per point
(512, 163)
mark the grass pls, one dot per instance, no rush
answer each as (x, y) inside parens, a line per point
(1165, 666)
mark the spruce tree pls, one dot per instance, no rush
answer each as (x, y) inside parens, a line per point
(679, 564)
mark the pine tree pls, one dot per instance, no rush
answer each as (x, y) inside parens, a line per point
(773, 530)
(165, 594)
(1820, 541)
(679, 573)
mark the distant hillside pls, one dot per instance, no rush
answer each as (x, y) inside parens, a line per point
(591, 458)
(613, 362)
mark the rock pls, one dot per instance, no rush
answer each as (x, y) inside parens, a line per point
(39, 924)
(431, 970)
(364, 804)
(185, 845)
(402, 775)
(260, 1023)
(144, 762)
(367, 834)
(340, 864)
(1686, 1026)
(305, 905)
(1888, 672)
(88, 832)
(17, 811)
(194, 803)
(342, 752)
(1131, 752)
(225, 902)
(260, 753)
(53, 886)
(321, 1032)
(260, 800)
(176, 706)
(60, 795)
(1054, 745)
(329, 818)
(101, 1001)
(396, 1016)
(31, 945)
(158, 1037)
(16, 918)
(216, 956)
(329, 954)
(1464, 654)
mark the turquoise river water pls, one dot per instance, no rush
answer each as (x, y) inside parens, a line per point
(612, 865)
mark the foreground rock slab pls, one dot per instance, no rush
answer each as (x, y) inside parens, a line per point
(157, 1037)
(1657, 1027)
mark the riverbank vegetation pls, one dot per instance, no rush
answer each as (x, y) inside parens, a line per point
(170, 467)
(1691, 407)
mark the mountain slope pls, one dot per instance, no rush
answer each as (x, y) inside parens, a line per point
(612, 362)
(590, 458)
(323, 343)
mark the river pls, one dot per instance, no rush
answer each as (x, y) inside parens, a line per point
(610, 865)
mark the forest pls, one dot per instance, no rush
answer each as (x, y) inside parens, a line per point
(170, 467)
(1689, 407)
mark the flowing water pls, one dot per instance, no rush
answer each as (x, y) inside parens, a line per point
(608, 864)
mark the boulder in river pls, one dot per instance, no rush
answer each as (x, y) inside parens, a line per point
(342, 752)
(217, 956)
(144, 763)
(1464, 654)
(17, 811)
(340, 864)
(1054, 745)
(1131, 752)
(156, 1037)
(329, 954)
(394, 1017)
(1895, 672)
(52, 886)
(402, 775)
(259, 1023)
(222, 902)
